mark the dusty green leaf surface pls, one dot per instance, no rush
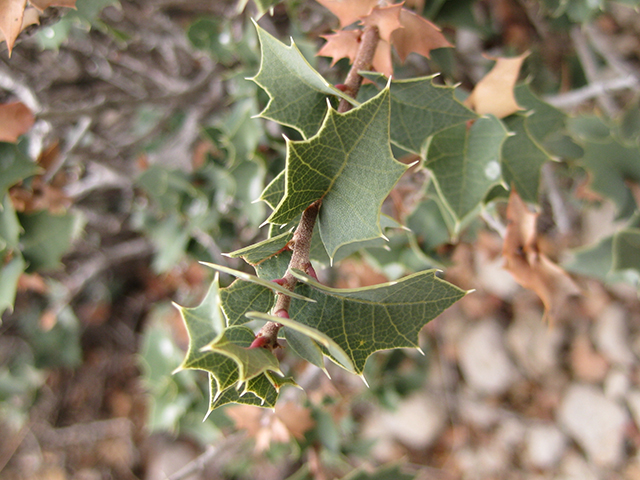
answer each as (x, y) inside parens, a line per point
(256, 253)
(46, 238)
(9, 226)
(419, 109)
(364, 320)
(466, 163)
(522, 158)
(610, 163)
(273, 193)
(241, 297)
(14, 166)
(626, 250)
(350, 166)
(297, 93)
(204, 324)
(9, 275)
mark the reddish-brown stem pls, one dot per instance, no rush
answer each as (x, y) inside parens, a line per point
(301, 242)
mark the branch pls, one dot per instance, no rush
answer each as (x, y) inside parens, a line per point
(576, 97)
(301, 242)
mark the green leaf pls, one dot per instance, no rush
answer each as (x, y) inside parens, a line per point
(258, 252)
(522, 158)
(241, 297)
(297, 93)
(362, 321)
(260, 281)
(9, 226)
(626, 250)
(258, 392)
(350, 166)
(204, 324)
(46, 238)
(241, 131)
(251, 361)
(15, 166)
(466, 163)
(305, 347)
(389, 472)
(419, 109)
(9, 276)
(275, 191)
(610, 163)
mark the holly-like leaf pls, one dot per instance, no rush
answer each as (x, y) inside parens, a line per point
(204, 324)
(341, 44)
(386, 19)
(350, 166)
(15, 119)
(626, 250)
(466, 163)
(9, 276)
(251, 361)
(11, 13)
(241, 297)
(419, 35)
(46, 238)
(14, 166)
(349, 11)
(256, 253)
(420, 109)
(260, 393)
(494, 94)
(297, 93)
(9, 225)
(522, 158)
(610, 163)
(260, 281)
(273, 193)
(362, 321)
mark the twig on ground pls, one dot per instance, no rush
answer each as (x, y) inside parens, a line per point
(591, 70)
(574, 98)
(75, 135)
(558, 206)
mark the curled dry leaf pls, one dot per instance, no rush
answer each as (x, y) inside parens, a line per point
(348, 11)
(494, 93)
(43, 4)
(11, 16)
(15, 119)
(387, 19)
(419, 35)
(382, 59)
(529, 266)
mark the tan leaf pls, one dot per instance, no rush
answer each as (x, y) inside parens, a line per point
(15, 119)
(296, 418)
(382, 59)
(11, 15)
(42, 4)
(494, 93)
(387, 19)
(342, 44)
(348, 11)
(419, 35)
(529, 266)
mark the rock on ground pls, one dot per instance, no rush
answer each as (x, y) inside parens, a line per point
(595, 422)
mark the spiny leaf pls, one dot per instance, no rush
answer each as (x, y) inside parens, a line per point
(626, 250)
(466, 163)
(14, 166)
(11, 13)
(241, 297)
(349, 11)
(256, 253)
(386, 19)
(252, 278)
(362, 321)
(9, 226)
(9, 275)
(350, 166)
(419, 109)
(610, 163)
(419, 35)
(251, 361)
(297, 93)
(341, 44)
(273, 193)
(522, 158)
(46, 238)
(204, 324)
(267, 398)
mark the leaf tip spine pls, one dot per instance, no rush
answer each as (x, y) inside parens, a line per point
(421, 351)
(467, 292)
(364, 380)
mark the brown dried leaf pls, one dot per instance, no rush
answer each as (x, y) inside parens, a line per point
(531, 268)
(348, 11)
(418, 35)
(387, 19)
(11, 16)
(494, 93)
(382, 59)
(296, 418)
(42, 4)
(342, 44)
(15, 119)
